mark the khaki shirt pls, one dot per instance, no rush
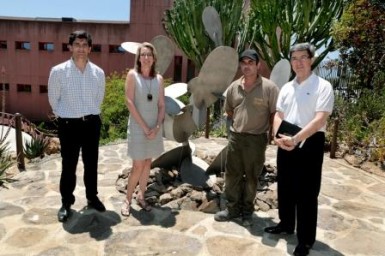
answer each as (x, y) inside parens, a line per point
(251, 110)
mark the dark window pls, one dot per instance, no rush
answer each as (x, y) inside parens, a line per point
(43, 89)
(24, 88)
(65, 47)
(44, 46)
(23, 45)
(116, 49)
(4, 87)
(3, 44)
(190, 70)
(177, 68)
(96, 48)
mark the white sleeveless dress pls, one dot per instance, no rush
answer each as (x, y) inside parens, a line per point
(139, 147)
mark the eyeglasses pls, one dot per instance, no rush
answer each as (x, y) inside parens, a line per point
(302, 58)
(146, 55)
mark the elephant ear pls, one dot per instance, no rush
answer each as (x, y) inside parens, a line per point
(213, 25)
(216, 74)
(165, 49)
(175, 90)
(280, 74)
(131, 47)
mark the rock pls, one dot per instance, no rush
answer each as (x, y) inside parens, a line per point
(53, 146)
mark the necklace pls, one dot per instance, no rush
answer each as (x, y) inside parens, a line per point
(149, 94)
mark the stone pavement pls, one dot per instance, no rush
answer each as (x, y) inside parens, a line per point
(351, 216)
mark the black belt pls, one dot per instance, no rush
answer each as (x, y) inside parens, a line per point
(83, 118)
(248, 134)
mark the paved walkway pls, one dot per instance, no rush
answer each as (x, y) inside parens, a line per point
(351, 217)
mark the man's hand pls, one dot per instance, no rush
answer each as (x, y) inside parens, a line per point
(285, 142)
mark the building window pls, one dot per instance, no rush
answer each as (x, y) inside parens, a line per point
(24, 88)
(4, 87)
(96, 48)
(116, 49)
(3, 44)
(177, 69)
(64, 47)
(23, 45)
(43, 89)
(43, 46)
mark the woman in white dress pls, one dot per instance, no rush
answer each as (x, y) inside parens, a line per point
(145, 100)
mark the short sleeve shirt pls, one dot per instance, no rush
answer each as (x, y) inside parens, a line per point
(251, 110)
(300, 102)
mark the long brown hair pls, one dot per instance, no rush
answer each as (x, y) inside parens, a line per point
(138, 65)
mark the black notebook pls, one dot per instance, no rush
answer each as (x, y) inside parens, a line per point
(288, 129)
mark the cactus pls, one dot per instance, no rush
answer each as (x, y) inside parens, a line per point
(183, 23)
(272, 26)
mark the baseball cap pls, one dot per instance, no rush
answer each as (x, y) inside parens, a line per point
(249, 53)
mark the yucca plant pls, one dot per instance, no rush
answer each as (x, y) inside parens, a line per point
(35, 147)
(5, 162)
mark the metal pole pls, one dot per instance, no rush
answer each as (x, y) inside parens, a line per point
(19, 143)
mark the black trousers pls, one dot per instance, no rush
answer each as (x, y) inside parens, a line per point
(299, 183)
(77, 134)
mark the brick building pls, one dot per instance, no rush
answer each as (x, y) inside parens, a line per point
(29, 47)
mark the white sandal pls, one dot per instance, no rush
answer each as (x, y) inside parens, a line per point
(125, 210)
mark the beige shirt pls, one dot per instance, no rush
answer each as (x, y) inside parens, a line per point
(251, 110)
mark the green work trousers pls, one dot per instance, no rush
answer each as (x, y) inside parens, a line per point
(244, 164)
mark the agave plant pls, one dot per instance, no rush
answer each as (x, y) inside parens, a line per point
(35, 147)
(5, 163)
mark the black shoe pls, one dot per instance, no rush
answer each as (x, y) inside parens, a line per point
(278, 230)
(225, 216)
(64, 213)
(247, 220)
(96, 204)
(301, 250)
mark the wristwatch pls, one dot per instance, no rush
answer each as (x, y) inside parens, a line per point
(295, 142)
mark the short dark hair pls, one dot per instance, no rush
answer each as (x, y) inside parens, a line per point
(81, 34)
(303, 47)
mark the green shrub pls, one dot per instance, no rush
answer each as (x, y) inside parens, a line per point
(362, 124)
(114, 109)
(5, 163)
(35, 147)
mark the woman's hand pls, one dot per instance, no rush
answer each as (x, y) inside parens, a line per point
(153, 132)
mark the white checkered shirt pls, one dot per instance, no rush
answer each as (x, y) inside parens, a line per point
(74, 94)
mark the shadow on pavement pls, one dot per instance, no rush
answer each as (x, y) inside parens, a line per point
(97, 224)
(161, 216)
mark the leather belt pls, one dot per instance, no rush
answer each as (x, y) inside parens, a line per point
(83, 118)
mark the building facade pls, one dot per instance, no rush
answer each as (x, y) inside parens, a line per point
(29, 47)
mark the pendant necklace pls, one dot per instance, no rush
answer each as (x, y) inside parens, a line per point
(149, 95)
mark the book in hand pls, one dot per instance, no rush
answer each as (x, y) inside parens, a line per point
(288, 129)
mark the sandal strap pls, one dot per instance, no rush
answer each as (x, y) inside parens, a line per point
(125, 209)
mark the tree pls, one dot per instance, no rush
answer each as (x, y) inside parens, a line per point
(183, 23)
(360, 34)
(272, 26)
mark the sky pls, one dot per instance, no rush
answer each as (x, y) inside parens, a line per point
(111, 10)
